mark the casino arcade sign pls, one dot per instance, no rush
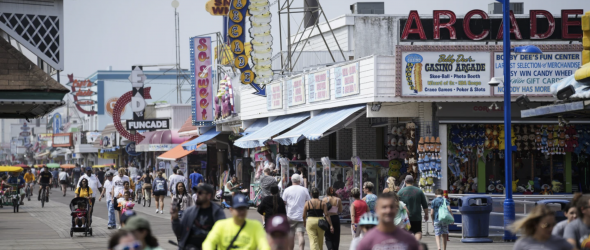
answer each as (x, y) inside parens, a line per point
(477, 25)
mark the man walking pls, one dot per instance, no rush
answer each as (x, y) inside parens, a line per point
(55, 174)
(387, 235)
(413, 197)
(195, 178)
(100, 175)
(93, 183)
(237, 232)
(108, 190)
(76, 175)
(174, 179)
(63, 181)
(266, 182)
(295, 197)
(132, 171)
(198, 220)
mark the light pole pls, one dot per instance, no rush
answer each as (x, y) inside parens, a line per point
(509, 210)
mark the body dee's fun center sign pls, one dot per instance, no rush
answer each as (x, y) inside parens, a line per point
(534, 74)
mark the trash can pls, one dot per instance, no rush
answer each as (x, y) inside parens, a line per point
(475, 215)
(559, 215)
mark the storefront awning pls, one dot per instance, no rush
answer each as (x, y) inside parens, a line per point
(266, 133)
(161, 140)
(257, 125)
(316, 127)
(177, 152)
(194, 144)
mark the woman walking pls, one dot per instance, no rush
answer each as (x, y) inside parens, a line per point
(159, 191)
(570, 213)
(370, 198)
(358, 208)
(536, 231)
(63, 180)
(181, 199)
(272, 205)
(313, 211)
(390, 185)
(147, 187)
(333, 239)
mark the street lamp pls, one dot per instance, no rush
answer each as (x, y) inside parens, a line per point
(509, 211)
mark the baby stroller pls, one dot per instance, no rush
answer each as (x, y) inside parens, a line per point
(74, 204)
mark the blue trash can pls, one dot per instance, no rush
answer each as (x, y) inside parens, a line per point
(475, 214)
(559, 215)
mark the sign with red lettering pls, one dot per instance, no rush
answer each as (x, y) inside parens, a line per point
(218, 7)
(83, 93)
(476, 25)
(295, 91)
(85, 102)
(347, 80)
(202, 81)
(81, 84)
(319, 86)
(274, 96)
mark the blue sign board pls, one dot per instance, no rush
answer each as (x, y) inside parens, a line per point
(56, 123)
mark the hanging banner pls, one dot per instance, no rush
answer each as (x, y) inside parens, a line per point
(56, 123)
(347, 80)
(462, 73)
(274, 97)
(295, 91)
(202, 81)
(319, 86)
(534, 74)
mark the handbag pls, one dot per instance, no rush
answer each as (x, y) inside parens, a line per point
(147, 185)
(322, 222)
(444, 216)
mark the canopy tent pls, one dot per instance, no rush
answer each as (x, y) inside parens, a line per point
(52, 165)
(320, 125)
(177, 152)
(67, 166)
(10, 169)
(280, 124)
(194, 144)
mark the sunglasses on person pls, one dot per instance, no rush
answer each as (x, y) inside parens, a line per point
(136, 245)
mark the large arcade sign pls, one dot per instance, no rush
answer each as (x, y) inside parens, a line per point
(202, 81)
(83, 94)
(477, 25)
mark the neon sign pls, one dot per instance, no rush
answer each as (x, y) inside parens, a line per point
(201, 76)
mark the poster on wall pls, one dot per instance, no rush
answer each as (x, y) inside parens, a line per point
(347, 80)
(295, 91)
(202, 81)
(461, 73)
(318, 84)
(534, 74)
(274, 96)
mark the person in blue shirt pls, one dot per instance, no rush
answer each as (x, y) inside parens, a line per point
(196, 177)
(440, 229)
(138, 189)
(19, 181)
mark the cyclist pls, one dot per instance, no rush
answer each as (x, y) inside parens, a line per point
(30, 181)
(45, 179)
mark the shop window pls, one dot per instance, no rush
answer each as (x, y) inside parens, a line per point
(542, 163)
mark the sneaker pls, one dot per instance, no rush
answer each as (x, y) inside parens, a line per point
(84, 225)
(157, 210)
(161, 212)
(76, 226)
(119, 227)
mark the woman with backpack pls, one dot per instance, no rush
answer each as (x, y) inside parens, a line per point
(272, 205)
(159, 191)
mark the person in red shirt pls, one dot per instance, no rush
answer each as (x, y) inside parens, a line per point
(358, 208)
(81, 214)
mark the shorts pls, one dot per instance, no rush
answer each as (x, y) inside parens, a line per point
(440, 228)
(416, 227)
(159, 193)
(296, 226)
(44, 185)
(63, 182)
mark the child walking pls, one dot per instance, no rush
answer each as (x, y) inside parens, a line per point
(440, 228)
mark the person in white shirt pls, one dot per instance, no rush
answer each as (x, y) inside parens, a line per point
(295, 197)
(174, 179)
(93, 183)
(108, 190)
(63, 180)
(132, 171)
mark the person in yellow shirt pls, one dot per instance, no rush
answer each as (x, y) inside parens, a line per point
(30, 180)
(84, 190)
(237, 232)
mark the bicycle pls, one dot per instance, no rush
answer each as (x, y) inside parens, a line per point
(43, 196)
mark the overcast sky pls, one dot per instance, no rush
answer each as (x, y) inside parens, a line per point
(117, 33)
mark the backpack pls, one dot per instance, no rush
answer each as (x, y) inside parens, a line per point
(160, 186)
(444, 216)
